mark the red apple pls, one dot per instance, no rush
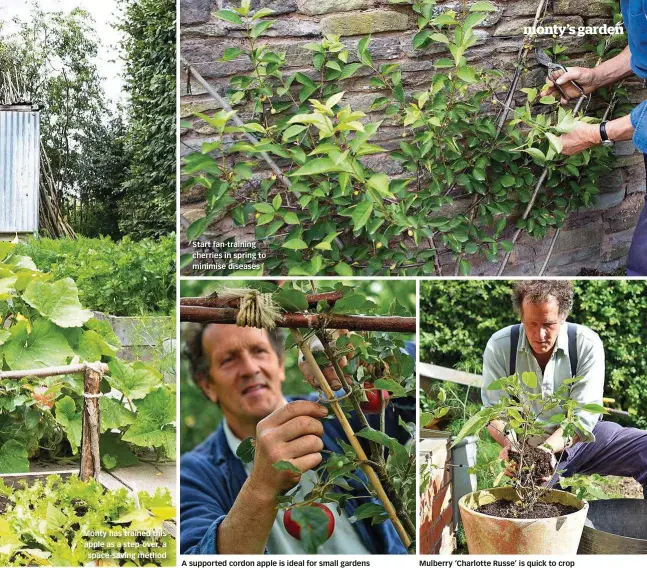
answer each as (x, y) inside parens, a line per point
(372, 404)
(295, 530)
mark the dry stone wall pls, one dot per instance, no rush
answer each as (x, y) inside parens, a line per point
(595, 238)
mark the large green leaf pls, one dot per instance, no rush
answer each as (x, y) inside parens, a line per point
(88, 345)
(114, 414)
(111, 343)
(132, 382)
(13, 458)
(58, 302)
(7, 287)
(71, 420)
(152, 425)
(110, 444)
(45, 346)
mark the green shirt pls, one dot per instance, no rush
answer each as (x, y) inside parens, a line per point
(590, 366)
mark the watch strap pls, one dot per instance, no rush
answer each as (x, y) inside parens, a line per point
(603, 131)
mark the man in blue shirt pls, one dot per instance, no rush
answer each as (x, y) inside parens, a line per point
(229, 508)
(633, 60)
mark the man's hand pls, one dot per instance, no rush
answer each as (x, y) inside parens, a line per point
(511, 467)
(585, 78)
(582, 137)
(553, 462)
(291, 433)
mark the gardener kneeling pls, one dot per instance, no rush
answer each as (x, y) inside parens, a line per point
(556, 351)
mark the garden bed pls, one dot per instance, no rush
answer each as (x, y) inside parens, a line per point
(64, 501)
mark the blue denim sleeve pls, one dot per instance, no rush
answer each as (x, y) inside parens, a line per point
(639, 122)
(206, 498)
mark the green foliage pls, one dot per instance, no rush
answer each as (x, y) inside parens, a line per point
(126, 278)
(458, 318)
(341, 217)
(48, 523)
(148, 205)
(53, 54)
(45, 325)
(515, 410)
(104, 171)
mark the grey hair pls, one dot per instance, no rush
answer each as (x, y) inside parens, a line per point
(540, 291)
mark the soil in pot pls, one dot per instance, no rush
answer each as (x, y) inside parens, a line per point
(536, 465)
(509, 510)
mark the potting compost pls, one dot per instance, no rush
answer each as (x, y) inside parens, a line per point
(510, 510)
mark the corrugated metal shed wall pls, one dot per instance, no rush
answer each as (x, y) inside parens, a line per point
(19, 169)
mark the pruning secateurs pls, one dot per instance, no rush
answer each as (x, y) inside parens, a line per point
(546, 61)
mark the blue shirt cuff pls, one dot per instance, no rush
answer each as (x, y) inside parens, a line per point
(639, 122)
(208, 543)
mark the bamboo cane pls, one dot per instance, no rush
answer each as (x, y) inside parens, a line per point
(352, 438)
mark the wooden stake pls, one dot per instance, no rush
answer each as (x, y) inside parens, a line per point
(91, 428)
(199, 314)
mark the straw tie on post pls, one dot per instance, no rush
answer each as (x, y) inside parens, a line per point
(255, 308)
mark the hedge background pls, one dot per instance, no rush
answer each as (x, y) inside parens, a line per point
(457, 317)
(595, 238)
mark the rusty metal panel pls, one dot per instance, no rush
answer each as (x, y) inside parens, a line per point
(19, 168)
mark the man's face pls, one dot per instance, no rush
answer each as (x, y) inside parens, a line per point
(541, 323)
(245, 373)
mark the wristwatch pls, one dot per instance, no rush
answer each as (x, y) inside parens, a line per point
(604, 136)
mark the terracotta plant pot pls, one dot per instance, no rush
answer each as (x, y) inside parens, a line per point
(495, 535)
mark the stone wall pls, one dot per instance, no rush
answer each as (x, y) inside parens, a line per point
(596, 238)
(436, 515)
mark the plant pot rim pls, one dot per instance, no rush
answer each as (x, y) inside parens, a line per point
(493, 490)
